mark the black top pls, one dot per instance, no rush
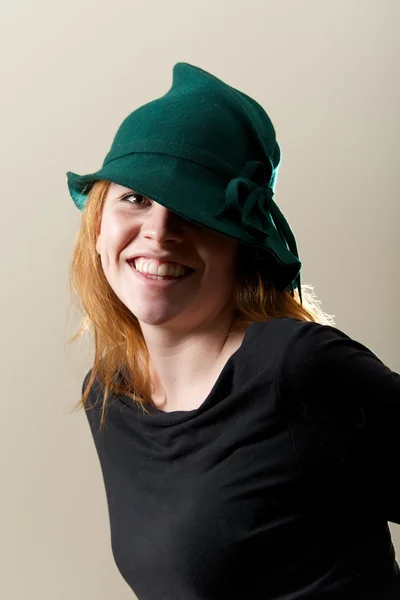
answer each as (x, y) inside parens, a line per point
(279, 486)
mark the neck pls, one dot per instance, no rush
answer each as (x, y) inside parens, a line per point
(184, 366)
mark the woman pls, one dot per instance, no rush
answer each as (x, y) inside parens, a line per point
(249, 448)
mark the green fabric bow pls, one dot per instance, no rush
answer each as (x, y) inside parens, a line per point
(249, 200)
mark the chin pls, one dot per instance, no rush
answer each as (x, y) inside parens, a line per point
(154, 317)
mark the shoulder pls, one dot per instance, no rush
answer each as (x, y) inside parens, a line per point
(292, 330)
(295, 342)
(274, 334)
(322, 364)
(316, 348)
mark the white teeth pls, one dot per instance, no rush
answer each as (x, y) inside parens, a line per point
(151, 267)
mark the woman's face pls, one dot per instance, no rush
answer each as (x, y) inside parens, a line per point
(133, 226)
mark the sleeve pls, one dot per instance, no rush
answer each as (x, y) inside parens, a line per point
(342, 405)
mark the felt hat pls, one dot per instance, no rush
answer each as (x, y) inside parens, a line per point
(207, 152)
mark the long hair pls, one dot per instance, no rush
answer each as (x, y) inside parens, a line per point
(121, 359)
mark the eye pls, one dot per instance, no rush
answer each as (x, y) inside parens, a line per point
(136, 196)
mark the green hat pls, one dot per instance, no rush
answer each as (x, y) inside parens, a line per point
(207, 152)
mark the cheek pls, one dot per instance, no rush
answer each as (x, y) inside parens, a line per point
(222, 271)
(114, 236)
(228, 258)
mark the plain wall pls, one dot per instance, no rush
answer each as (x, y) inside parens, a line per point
(327, 74)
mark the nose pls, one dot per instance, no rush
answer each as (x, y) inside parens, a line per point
(161, 224)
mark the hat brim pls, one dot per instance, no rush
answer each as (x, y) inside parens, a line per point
(187, 189)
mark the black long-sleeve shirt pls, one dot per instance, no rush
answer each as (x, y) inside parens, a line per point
(279, 486)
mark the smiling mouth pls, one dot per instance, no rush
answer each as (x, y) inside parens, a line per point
(188, 271)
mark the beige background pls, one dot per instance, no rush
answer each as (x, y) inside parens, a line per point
(326, 72)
